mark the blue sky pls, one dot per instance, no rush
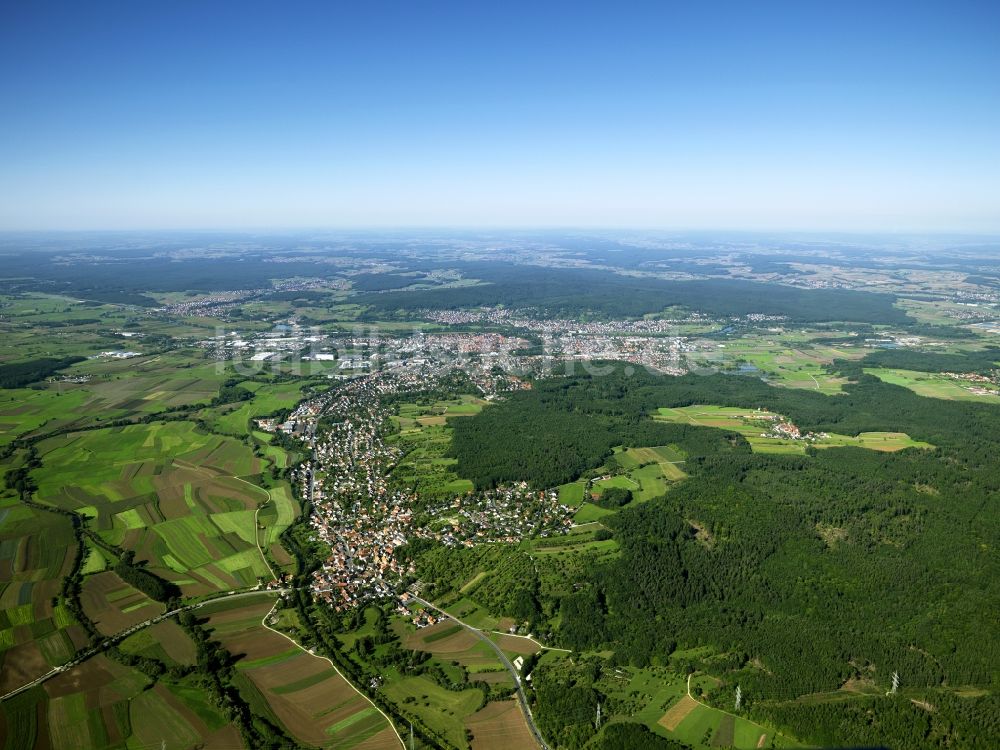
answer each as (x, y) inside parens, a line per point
(799, 115)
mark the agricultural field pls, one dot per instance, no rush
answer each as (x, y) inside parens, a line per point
(649, 471)
(113, 605)
(303, 693)
(572, 494)
(756, 425)
(443, 711)
(935, 385)
(174, 495)
(472, 613)
(268, 398)
(791, 361)
(118, 389)
(702, 726)
(588, 513)
(658, 697)
(103, 704)
(165, 641)
(36, 551)
(449, 641)
(499, 725)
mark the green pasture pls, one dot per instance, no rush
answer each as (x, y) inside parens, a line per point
(935, 385)
(443, 711)
(754, 423)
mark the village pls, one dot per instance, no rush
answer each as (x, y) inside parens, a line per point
(361, 514)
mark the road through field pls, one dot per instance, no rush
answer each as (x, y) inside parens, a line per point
(763, 737)
(256, 526)
(114, 639)
(525, 709)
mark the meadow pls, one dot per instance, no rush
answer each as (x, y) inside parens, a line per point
(936, 385)
(423, 433)
(756, 425)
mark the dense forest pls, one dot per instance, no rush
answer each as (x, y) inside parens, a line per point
(537, 438)
(907, 359)
(19, 374)
(570, 292)
(898, 545)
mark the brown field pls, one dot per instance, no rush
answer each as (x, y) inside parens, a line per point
(93, 676)
(432, 421)
(314, 703)
(165, 715)
(384, 740)
(281, 555)
(174, 642)
(462, 646)
(494, 678)
(20, 664)
(499, 726)
(106, 596)
(513, 644)
(677, 713)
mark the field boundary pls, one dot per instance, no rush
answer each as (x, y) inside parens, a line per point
(263, 622)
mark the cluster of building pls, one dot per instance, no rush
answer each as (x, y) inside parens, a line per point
(529, 320)
(286, 339)
(221, 304)
(986, 383)
(664, 354)
(506, 514)
(364, 517)
(115, 354)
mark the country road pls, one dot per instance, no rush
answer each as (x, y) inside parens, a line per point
(111, 640)
(525, 709)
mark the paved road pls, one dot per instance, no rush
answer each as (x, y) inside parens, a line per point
(525, 709)
(111, 640)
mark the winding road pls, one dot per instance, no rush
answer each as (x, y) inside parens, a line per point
(525, 709)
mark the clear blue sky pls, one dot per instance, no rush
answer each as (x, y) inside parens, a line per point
(818, 115)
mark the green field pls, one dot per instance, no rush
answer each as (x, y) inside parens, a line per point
(268, 398)
(754, 423)
(788, 359)
(174, 495)
(572, 494)
(934, 385)
(443, 711)
(424, 435)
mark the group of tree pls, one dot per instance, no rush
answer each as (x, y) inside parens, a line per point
(807, 570)
(557, 292)
(20, 374)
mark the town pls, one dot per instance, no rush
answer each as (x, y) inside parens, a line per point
(362, 514)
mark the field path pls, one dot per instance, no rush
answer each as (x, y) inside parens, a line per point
(256, 530)
(727, 713)
(335, 669)
(541, 646)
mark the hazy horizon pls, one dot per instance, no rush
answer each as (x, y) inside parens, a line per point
(243, 117)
